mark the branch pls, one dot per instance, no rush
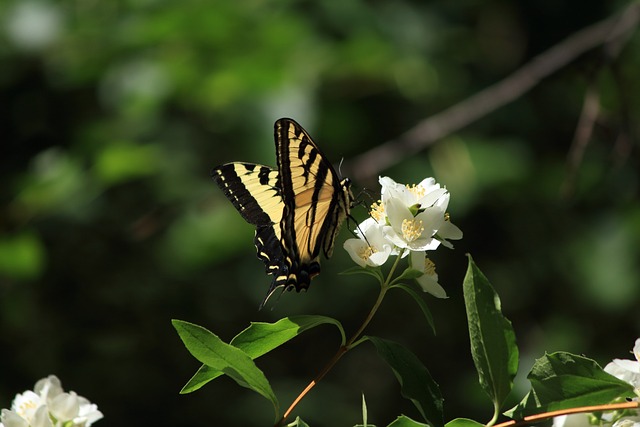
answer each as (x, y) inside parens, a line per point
(584, 409)
(490, 99)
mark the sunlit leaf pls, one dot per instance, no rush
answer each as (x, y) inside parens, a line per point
(564, 380)
(260, 338)
(212, 351)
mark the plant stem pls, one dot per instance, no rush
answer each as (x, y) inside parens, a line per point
(597, 408)
(344, 348)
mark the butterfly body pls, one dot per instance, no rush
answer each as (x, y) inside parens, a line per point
(297, 209)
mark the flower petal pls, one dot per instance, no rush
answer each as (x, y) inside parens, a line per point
(12, 419)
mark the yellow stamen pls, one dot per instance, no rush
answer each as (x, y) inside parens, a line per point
(26, 406)
(416, 190)
(411, 229)
(429, 267)
(366, 252)
(377, 211)
(447, 217)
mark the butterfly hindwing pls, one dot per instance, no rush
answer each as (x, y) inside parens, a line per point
(297, 209)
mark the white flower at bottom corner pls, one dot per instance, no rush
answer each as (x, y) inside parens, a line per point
(628, 422)
(48, 403)
(572, 420)
(24, 406)
(429, 279)
(70, 407)
(48, 388)
(371, 249)
(38, 417)
(627, 370)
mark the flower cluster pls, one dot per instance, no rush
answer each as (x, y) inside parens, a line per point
(623, 369)
(406, 220)
(48, 405)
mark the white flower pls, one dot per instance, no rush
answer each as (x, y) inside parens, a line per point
(627, 370)
(409, 231)
(627, 422)
(415, 216)
(371, 248)
(49, 406)
(429, 279)
(405, 219)
(424, 194)
(572, 420)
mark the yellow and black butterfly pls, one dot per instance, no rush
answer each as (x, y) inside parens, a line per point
(297, 209)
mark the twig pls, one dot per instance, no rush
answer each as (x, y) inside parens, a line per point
(486, 101)
(343, 349)
(584, 130)
(538, 417)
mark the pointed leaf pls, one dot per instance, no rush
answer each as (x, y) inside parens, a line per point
(421, 303)
(364, 411)
(212, 351)
(404, 421)
(493, 342)
(564, 380)
(260, 338)
(414, 378)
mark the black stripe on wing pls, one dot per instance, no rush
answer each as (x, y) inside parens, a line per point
(253, 189)
(315, 202)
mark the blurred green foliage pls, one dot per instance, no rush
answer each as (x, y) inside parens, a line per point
(114, 112)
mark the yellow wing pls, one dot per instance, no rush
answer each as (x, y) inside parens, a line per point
(315, 202)
(297, 210)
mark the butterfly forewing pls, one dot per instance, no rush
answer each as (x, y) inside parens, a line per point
(253, 190)
(315, 200)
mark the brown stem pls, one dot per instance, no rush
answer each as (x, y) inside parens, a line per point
(597, 408)
(343, 349)
(454, 118)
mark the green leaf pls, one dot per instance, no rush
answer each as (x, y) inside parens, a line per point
(212, 351)
(421, 303)
(404, 421)
(298, 423)
(414, 378)
(260, 338)
(409, 274)
(463, 422)
(371, 271)
(364, 411)
(22, 256)
(564, 380)
(493, 342)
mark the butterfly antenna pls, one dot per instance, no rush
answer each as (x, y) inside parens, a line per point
(340, 166)
(353, 233)
(269, 294)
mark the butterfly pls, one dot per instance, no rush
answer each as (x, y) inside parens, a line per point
(297, 209)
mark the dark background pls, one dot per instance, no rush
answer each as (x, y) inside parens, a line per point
(113, 113)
